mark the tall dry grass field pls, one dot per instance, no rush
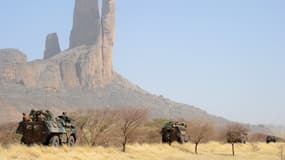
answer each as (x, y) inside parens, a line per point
(209, 151)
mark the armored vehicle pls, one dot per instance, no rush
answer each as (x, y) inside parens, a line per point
(270, 139)
(236, 137)
(174, 131)
(40, 127)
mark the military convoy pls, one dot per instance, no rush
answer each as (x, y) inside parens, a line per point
(174, 131)
(40, 127)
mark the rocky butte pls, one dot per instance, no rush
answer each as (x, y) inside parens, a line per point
(81, 77)
(52, 46)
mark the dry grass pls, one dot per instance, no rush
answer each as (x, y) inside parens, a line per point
(209, 151)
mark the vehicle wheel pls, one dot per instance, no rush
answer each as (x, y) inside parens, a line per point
(54, 141)
(71, 141)
(22, 141)
(163, 140)
(181, 140)
(186, 140)
(169, 141)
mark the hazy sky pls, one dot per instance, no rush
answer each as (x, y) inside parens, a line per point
(226, 57)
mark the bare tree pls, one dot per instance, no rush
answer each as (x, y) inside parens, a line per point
(96, 124)
(236, 133)
(199, 132)
(130, 120)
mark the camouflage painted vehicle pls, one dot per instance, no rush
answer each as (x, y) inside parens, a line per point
(174, 131)
(41, 128)
(271, 139)
(236, 137)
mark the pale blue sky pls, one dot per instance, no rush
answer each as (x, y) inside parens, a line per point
(224, 56)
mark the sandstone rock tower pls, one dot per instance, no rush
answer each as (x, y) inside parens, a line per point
(52, 47)
(86, 23)
(92, 30)
(108, 35)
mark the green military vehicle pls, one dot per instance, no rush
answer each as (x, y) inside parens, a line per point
(174, 131)
(236, 137)
(40, 127)
(271, 139)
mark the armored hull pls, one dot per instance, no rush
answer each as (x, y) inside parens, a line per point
(54, 132)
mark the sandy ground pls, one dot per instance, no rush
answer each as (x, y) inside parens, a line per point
(209, 151)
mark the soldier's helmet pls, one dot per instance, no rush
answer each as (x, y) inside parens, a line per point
(32, 112)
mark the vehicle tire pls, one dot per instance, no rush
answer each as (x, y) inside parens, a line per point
(54, 141)
(181, 140)
(163, 139)
(168, 139)
(186, 140)
(71, 141)
(22, 141)
(169, 142)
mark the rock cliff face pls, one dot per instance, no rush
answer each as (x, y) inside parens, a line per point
(78, 67)
(91, 29)
(32, 75)
(11, 56)
(8, 113)
(52, 47)
(108, 35)
(86, 23)
(88, 62)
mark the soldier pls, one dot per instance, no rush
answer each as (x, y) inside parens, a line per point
(48, 115)
(33, 115)
(169, 124)
(26, 118)
(41, 115)
(40, 118)
(176, 123)
(184, 124)
(65, 117)
(62, 119)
